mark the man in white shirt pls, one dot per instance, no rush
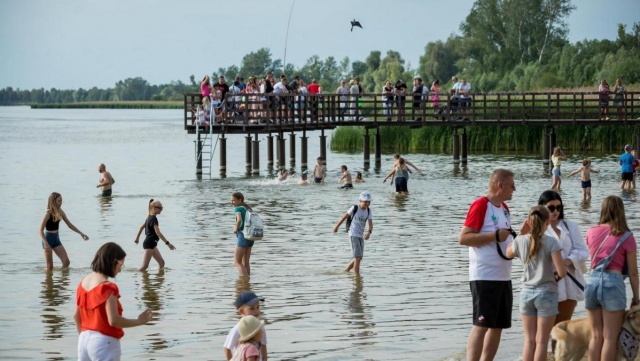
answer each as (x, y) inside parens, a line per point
(343, 96)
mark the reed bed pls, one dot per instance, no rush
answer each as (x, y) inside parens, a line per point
(491, 138)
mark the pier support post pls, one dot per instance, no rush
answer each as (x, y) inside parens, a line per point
(199, 155)
(323, 145)
(255, 167)
(552, 140)
(247, 153)
(366, 151)
(223, 156)
(270, 151)
(378, 146)
(281, 146)
(303, 150)
(464, 145)
(545, 146)
(278, 153)
(292, 149)
(637, 148)
(456, 146)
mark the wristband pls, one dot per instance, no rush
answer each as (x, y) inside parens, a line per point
(166, 242)
(369, 231)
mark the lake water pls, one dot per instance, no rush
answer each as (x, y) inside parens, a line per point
(412, 301)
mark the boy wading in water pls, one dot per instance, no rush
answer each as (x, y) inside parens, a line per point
(357, 234)
(585, 178)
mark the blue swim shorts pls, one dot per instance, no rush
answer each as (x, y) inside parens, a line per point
(605, 290)
(538, 302)
(243, 243)
(586, 184)
(53, 239)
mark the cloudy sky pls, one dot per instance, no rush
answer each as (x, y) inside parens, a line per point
(67, 44)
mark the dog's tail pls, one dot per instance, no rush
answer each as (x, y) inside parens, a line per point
(559, 331)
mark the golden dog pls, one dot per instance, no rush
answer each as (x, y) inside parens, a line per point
(573, 336)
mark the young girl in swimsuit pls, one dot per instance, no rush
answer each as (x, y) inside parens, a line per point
(49, 232)
(153, 234)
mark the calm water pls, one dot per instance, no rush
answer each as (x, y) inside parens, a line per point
(412, 301)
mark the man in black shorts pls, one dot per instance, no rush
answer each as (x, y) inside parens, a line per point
(487, 232)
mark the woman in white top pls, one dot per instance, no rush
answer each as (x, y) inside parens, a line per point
(574, 255)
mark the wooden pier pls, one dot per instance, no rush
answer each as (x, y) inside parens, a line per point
(277, 114)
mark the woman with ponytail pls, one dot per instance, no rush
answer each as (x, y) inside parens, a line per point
(541, 256)
(153, 234)
(49, 232)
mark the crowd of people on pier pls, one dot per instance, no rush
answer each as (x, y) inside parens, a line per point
(551, 248)
(268, 99)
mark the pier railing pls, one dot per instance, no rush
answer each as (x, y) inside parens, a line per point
(259, 113)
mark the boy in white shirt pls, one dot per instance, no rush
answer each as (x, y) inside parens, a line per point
(360, 215)
(247, 303)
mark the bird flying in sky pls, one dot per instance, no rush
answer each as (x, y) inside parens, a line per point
(355, 23)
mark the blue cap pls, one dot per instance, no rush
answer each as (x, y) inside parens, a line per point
(365, 196)
(247, 298)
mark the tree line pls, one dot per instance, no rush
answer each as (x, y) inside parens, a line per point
(503, 45)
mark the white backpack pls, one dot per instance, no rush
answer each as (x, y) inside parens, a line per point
(253, 227)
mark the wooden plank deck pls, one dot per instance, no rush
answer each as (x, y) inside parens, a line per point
(248, 114)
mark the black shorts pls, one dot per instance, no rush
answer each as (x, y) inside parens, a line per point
(401, 184)
(492, 303)
(106, 193)
(586, 184)
(627, 176)
(149, 243)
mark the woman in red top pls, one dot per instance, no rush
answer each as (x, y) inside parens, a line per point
(98, 314)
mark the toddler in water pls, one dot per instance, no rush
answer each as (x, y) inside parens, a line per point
(585, 178)
(540, 255)
(359, 178)
(248, 305)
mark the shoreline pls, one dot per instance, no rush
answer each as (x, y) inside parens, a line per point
(112, 105)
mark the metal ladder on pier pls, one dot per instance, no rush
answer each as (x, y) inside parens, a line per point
(205, 148)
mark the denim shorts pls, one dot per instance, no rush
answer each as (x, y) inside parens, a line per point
(538, 302)
(605, 290)
(243, 243)
(556, 172)
(53, 239)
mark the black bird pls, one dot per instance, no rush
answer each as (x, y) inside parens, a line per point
(355, 23)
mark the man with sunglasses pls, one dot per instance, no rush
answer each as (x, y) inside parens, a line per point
(487, 232)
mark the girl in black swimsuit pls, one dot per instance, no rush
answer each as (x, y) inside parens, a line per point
(49, 232)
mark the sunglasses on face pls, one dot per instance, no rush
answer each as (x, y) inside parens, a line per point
(160, 208)
(554, 208)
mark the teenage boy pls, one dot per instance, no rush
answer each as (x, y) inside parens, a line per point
(359, 215)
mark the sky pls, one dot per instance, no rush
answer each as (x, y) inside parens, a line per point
(70, 44)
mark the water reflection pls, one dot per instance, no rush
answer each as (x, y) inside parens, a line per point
(400, 201)
(153, 297)
(461, 171)
(585, 205)
(243, 283)
(150, 292)
(55, 293)
(105, 208)
(357, 316)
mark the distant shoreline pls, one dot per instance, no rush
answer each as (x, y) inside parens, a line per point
(113, 105)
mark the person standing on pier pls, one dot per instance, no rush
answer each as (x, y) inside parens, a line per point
(343, 97)
(106, 181)
(417, 97)
(401, 92)
(487, 232)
